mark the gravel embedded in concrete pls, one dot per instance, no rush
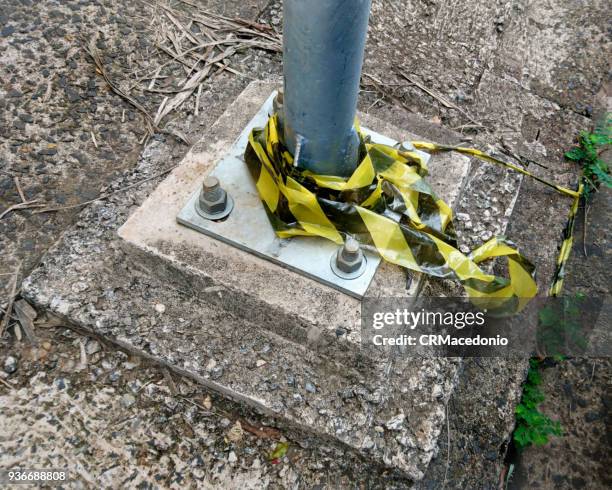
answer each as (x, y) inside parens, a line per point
(529, 70)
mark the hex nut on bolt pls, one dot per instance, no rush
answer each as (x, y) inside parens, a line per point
(213, 202)
(349, 262)
(406, 146)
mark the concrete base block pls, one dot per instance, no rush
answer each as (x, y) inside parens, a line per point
(280, 300)
(390, 417)
(240, 325)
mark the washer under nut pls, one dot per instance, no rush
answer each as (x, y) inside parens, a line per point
(214, 203)
(349, 262)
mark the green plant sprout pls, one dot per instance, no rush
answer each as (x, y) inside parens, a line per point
(532, 426)
(595, 171)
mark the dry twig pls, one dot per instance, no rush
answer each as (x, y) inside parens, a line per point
(524, 161)
(439, 97)
(170, 382)
(235, 20)
(263, 432)
(380, 87)
(22, 205)
(19, 190)
(106, 195)
(26, 316)
(9, 307)
(197, 101)
(7, 385)
(221, 37)
(205, 412)
(92, 51)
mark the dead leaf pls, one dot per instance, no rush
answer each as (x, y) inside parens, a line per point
(50, 321)
(236, 433)
(26, 315)
(207, 403)
(262, 432)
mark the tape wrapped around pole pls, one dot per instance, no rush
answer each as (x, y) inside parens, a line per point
(388, 206)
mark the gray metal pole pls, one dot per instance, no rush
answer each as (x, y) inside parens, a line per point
(323, 47)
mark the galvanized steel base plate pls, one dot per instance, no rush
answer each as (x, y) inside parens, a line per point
(248, 228)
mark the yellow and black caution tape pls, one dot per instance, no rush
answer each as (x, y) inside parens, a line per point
(435, 148)
(566, 246)
(568, 231)
(386, 204)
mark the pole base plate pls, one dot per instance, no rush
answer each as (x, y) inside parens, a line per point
(247, 227)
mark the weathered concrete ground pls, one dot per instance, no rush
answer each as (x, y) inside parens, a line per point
(65, 134)
(527, 70)
(120, 423)
(579, 390)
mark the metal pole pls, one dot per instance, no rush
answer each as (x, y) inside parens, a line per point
(323, 47)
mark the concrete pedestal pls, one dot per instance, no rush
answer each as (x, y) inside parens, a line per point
(271, 340)
(280, 300)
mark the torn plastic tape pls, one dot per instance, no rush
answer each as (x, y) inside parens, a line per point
(387, 205)
(566, 246)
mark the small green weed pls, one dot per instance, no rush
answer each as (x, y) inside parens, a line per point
(532, 426)
(559, 327)
(595, 171)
